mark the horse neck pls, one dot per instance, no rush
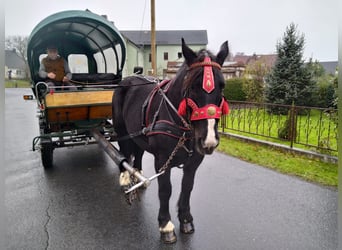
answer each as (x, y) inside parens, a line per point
(175, 91)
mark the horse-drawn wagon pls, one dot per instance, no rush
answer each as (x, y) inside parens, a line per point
(175, 120)
(96, 52)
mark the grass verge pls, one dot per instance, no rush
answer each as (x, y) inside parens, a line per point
(17, 84)
(284, 162)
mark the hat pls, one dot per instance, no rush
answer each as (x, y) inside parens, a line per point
(51, 46)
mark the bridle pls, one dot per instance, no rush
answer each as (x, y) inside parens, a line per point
(209, 111)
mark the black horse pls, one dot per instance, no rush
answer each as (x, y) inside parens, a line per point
(177, 122)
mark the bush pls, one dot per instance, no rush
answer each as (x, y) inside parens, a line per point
(324, 95)
(234, 90)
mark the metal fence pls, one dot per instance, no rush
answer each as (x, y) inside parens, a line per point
(297, 126)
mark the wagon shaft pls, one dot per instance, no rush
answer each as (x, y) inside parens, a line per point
(120, 160)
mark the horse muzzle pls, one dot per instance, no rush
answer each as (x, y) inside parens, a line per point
(204, 149)
(206, 138)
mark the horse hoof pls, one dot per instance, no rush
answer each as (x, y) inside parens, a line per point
(168, 237)
(187, 228)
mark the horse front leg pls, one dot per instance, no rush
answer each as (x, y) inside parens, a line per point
(184, 214)
(166, 227)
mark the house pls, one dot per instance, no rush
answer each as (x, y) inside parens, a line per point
(263, 62)
(267, 60)
(168, 48)
(330, 67)
(230, 69)
(14, 65)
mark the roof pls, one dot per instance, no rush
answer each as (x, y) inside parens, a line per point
(13, 60)
(82, 29)
(242, 59)
(330, 66)
(167, 37)
(268, 60)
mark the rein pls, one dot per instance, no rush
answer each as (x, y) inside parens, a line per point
(86, 83)
(111, 84)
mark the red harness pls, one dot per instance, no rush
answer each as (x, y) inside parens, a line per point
(211, 110)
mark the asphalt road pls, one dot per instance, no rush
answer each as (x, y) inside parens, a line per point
(79, 205)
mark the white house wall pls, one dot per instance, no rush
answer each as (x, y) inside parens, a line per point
(140, 57)
(173, 51)
(134, 57)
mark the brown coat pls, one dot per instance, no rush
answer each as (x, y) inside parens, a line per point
(55, 66)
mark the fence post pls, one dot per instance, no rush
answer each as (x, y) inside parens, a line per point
(223, 122)
(292, 134)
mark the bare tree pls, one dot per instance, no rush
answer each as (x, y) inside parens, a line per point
(253, 79)
(19, 44)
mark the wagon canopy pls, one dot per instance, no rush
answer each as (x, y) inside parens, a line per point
(78, 32)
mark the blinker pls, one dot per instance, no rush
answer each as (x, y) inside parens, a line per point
(28, 97)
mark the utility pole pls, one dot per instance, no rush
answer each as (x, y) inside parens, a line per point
(153, 39)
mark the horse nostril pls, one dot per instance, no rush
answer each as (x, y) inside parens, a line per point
(209, 144)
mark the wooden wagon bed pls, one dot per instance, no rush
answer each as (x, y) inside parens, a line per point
(78, 107)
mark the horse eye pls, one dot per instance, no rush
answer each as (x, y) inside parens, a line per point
(193, 86)
(222, 85)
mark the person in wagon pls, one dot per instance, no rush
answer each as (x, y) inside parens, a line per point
(55, 69)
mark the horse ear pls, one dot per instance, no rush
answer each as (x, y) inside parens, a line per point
(188, 53)
(223, 53)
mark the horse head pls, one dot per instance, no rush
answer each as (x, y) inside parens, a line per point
(203, 103)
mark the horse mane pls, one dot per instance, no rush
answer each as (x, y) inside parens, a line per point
(195, 72)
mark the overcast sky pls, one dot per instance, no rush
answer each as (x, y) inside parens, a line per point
(250, 26)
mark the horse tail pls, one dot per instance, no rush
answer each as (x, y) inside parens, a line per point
(127, 146)
(120, 96)
(117, 107)
(118, 101)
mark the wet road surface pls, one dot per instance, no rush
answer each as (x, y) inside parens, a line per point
(79, 205)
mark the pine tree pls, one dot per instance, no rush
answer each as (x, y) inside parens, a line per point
(289, 80)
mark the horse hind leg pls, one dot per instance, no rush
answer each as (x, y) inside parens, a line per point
(137, 162)
(133, 154)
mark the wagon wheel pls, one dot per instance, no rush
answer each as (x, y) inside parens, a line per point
(47, 155)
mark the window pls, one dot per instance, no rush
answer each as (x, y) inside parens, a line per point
(78, 63)
(166, 56)
(180, 55)
(106, 63)
(150, 58)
